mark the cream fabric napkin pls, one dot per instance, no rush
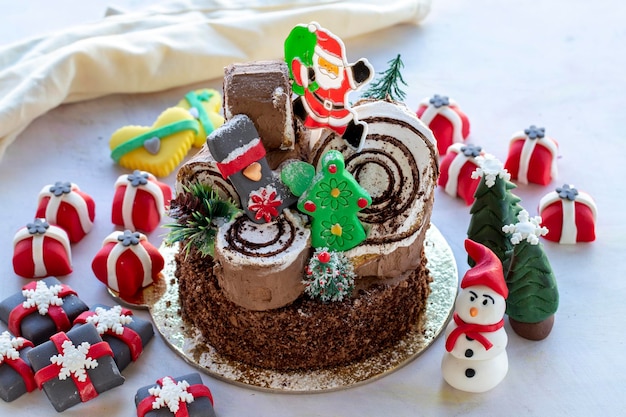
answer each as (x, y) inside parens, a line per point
(169, 44)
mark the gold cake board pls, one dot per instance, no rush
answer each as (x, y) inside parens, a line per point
(186, 341)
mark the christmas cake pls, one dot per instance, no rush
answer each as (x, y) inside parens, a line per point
(260, 289)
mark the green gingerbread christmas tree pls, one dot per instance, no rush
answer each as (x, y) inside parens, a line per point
(332, 198)
(494, 206)
(533, 294)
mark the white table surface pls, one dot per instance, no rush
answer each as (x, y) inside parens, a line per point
(558, 64)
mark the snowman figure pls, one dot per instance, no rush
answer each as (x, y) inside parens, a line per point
(475, 358)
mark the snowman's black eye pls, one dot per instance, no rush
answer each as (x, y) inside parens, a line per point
(487, 298)
(473, 296)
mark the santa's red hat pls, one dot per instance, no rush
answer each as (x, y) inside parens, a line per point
(487, 271)
(328, 45)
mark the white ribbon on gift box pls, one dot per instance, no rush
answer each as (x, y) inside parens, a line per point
(170, 44)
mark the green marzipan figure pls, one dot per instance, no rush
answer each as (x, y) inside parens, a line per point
(494, 206)
(533, 294)
(333, 200)
(388, 85)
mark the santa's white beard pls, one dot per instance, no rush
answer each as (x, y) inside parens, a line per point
(327, 80)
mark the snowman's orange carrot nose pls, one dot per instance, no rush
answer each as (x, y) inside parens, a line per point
(473, 311)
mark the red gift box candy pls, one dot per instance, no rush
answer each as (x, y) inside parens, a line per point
(140, 201)
(127, 262)
(41, 250)
(446, 120)
(65, 205)
(457, 167)
(569, 215)
(532, 157)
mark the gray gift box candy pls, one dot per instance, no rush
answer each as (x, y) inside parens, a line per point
(37, 327)
(12, 384)
(201, 406)
(63, 391)
(121, 344)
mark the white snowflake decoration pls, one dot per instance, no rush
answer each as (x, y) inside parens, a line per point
(9, 346)
(527, 229)
(490, 168)
(74, 360)
(42, 297)
(170, 394)
(112, 320)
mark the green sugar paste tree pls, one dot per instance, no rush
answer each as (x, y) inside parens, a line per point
(329, 276)
(533, 294)
(332, 198)
(494, 206)
(387, 86)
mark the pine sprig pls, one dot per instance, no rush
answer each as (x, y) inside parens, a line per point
(196, 210)
(387, 86)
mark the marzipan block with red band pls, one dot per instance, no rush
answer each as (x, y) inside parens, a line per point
(41, 250)
(127, 262)
(74, 367)
(457, 167)
(125, 333)
(185, 396)
(16, 376)
(41, 309)
(140, 201)
(65, 205)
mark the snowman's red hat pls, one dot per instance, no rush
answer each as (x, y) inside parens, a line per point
(487, 271)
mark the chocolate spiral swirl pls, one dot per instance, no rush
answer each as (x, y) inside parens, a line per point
(387, 168)
(270, 239)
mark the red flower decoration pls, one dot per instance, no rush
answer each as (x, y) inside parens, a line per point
(264, 202)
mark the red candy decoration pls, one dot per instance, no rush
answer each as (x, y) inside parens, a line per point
(41, 250)
(140, 201)
(457, 167)
(136, 262)
(65, 205)
(532, 157)
(309, 206)
(323, 257)
(446, 120)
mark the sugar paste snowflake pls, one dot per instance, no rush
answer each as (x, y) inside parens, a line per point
(42, 297)
(528, 229)
(490, 168)
(109, 320)
(170, 394)
(9, 346)
(74, 360)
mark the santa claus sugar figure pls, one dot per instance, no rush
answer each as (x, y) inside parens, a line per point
(475, 358)
(323, 78)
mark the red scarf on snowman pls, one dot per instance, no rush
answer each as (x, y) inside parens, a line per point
(487, 272)
(471, 330)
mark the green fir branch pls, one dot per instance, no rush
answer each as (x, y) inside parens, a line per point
(196, 210)
(388, 85)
